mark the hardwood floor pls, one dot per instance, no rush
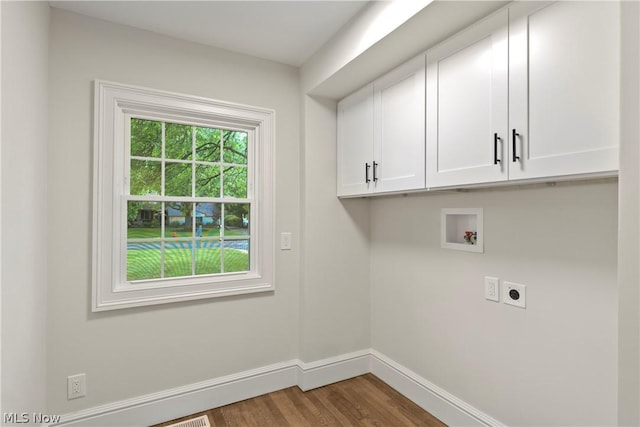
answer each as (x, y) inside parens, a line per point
(360, 401)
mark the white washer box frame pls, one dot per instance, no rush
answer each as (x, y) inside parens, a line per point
(457, 220)
(112, 102)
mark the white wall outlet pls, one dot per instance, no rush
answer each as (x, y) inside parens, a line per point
(515, 294)
(492, 288)
(76, 386)
(285, 241)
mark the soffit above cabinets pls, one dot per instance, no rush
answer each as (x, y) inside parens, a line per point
(436, 22)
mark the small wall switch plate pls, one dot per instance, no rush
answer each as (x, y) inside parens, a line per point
(285, 241)
(514, 294)
(492, 288)
(76, 386)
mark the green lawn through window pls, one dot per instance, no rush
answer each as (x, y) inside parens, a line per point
(155, 232)
(145, 263)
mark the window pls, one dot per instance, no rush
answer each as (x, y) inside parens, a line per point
(189, 202)
(182, 197)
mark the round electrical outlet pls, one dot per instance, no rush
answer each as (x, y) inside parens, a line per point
(514, 294)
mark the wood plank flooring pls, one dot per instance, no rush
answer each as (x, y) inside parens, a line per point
(360, 401)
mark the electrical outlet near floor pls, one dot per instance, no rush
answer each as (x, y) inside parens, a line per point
(492, 288)
(515, 294)
(76, 386)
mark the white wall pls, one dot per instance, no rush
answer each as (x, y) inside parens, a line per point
(126, 353)
(551, 364)
(334, 295)
(25, 27)
(629, 230)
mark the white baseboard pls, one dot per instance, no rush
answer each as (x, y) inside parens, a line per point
(328, 371)
(433, 399)
(181, 401)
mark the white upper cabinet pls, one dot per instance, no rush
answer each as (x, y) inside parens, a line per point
(564, 88)
(530, 92)
(467, 83)
(381, 134)
(399, 144)
(355, 143)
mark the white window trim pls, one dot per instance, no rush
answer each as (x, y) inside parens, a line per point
(112, 102)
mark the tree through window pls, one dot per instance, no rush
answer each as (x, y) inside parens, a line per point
(188, 213)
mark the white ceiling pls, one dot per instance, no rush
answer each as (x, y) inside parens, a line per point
(284, 31)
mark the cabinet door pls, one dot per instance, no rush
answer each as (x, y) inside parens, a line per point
(355, 143)
(399, 128)
(467, 105)
(564, 88)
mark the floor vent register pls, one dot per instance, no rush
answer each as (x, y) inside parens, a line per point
(202, 421)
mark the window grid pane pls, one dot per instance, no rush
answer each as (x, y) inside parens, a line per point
(146, 138)
(144, 261)
(236, 255)
(235, 182)
(178, 141)
(235, 147)
(208, 142)
(145, 177)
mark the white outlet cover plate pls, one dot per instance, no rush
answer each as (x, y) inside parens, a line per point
(492, 288)
(522, 294)
(76, 386)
